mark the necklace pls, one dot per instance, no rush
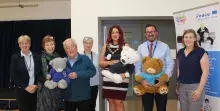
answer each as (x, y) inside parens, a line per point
(110, 50)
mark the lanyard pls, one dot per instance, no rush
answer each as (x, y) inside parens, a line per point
(91, 56)
(153, 48)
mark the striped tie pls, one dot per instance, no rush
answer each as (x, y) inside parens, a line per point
(150, 50)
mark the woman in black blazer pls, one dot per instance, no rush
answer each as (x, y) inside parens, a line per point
(25, 72)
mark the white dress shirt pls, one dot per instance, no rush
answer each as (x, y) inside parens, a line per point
(29, 62)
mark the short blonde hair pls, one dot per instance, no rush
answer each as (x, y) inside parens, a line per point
(22, 38)
(69, 39)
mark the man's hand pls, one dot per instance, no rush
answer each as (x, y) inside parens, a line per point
(145, 84)
(73, 75)
(159, 83)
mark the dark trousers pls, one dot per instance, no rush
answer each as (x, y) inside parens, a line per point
(26, 101)
(94, 94)
(79, 105)
(148, 101)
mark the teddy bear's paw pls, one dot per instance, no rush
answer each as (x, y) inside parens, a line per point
(137, 91)
(163, 90)
(48, 76)
(108, 57)
(107, 74)
(127, 74)
(47, 83)
(62, 84)
(54, 84)
(116, 78)
(50, 84)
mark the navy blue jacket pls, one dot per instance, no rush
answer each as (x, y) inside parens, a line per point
(79, 88)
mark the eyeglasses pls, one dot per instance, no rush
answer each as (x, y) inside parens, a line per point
(151, 32)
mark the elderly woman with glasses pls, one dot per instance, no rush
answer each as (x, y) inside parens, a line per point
(94, 81)
(25, 72)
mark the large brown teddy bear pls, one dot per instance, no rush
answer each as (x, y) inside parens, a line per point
(152, 72)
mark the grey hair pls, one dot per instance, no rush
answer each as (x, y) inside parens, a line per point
(86, 39)
(69, 39)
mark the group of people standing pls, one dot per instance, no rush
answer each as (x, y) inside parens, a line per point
(28, 71)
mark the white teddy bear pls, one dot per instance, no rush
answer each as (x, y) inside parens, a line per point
(128, 57)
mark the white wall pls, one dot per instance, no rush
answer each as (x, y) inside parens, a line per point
(84, 13)
(187, 4)
(45, 10)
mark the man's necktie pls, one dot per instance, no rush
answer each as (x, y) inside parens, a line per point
(150, 50)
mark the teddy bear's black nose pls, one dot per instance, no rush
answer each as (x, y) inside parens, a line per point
(123, 61)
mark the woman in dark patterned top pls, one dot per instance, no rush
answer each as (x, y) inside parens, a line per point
(48, 99)
(114, 93)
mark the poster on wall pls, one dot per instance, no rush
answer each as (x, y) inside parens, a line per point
(205, 21)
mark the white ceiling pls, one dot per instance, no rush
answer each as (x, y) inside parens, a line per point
(16, 1)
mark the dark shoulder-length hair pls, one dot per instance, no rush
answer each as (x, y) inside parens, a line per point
(194, 33)
(121, 41)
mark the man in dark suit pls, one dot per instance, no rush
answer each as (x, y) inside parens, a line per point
(25, 71)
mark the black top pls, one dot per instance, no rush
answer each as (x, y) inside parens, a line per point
(120, 68)
(116, 55)
(19, 73)
(189, 66)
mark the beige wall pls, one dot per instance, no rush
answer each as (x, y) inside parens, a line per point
(45, 10)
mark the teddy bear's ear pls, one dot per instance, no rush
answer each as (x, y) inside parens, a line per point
(160, 62)
(125, 47)
(145, 59)
(65, 59)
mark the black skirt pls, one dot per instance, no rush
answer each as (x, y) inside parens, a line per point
(48, 99)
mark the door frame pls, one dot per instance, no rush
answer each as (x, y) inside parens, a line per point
(101, 22)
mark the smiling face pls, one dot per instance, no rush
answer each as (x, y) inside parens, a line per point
(25, 45)
(24, 42)
(49, 47)
(151, 33)
(88, 45)
(48, 43)
(189, 40)
(70, 48)
(115, 34)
